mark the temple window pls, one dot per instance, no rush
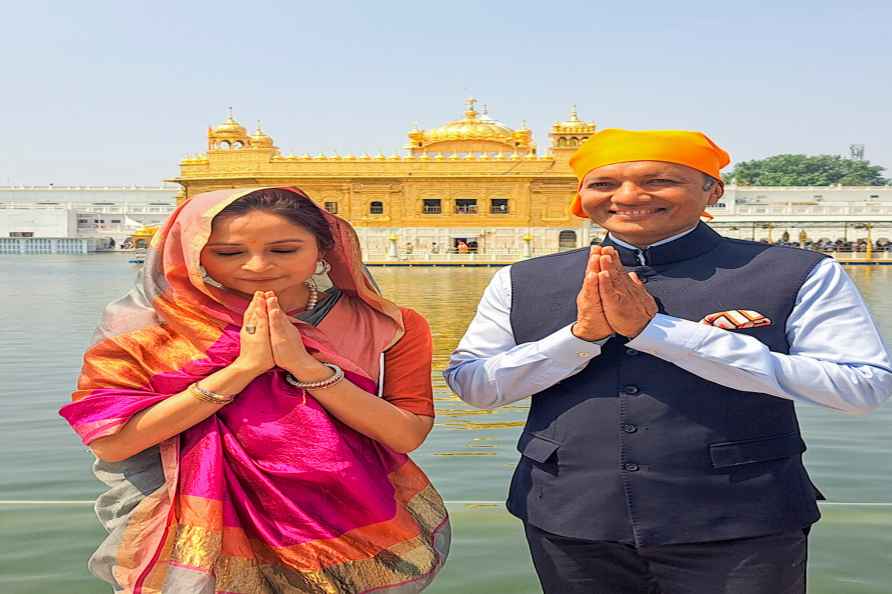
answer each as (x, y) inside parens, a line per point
(567, 240)
(498, 206)
(466, 206)
(431, 206)
(562, 142)
(223, 145)
(331, 207)
(238, 144)
(376, 207)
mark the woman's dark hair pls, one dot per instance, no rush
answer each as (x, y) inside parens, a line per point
(298, 209)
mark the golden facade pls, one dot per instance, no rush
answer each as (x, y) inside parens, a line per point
(472, 180)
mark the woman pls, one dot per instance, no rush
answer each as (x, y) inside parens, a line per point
(252, 427)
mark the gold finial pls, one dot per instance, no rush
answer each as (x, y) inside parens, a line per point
(523, 125)
(485, 109)
(231, 119)
(573, 115)
(259, 130)
(472, 104)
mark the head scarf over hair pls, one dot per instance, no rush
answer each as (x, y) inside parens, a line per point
(614, 145)
(269, 494)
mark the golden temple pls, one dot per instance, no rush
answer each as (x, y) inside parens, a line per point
(472, 181)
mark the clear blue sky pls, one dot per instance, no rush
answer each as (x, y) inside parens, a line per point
(114, 93)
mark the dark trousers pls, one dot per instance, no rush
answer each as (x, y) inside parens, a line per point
(773, 564)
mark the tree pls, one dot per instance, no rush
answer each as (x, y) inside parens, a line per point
(806, 170)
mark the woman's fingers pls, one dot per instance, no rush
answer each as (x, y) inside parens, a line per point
(261, 316)
(253, 308)
(276, 315)
(272, 303)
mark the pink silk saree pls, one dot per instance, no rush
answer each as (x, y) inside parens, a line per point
(271, 494)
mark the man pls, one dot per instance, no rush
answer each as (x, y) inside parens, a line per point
(662, 453)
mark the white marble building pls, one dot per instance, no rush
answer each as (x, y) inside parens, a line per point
(847, 213)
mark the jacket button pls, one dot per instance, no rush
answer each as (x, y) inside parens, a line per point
(631, 389)
(629, 428)
(632, 352)
(631, 467)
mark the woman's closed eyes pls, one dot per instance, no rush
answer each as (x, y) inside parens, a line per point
(279, 251)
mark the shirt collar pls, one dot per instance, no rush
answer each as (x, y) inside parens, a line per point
(685, 245)
(619, 241)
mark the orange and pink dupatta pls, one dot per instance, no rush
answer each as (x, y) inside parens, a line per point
(271, 494)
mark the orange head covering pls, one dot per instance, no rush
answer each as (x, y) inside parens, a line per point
(614, 145)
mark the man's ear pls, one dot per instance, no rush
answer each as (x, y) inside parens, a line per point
(715, 193)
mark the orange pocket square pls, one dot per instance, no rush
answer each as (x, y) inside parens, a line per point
(734, 319)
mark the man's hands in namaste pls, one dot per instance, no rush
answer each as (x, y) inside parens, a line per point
(611, 300)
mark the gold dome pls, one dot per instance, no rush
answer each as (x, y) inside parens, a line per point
(228, 135)
(230, 126)
(472, 127)
(260, 139)
(574, 124)
(145, 231)
(475, 132)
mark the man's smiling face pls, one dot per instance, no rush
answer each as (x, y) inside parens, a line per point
(642, 202)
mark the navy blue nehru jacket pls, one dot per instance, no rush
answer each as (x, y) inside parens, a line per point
(637, 450)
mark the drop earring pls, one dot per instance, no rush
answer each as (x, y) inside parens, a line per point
(207, 278)
(322, 267)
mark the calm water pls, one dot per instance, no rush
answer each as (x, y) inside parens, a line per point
(49, 307)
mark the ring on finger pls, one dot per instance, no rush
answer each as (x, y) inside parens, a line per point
(250, 328)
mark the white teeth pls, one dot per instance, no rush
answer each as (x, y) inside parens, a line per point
(637, 212)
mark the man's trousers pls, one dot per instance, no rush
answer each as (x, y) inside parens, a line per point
(772, 564)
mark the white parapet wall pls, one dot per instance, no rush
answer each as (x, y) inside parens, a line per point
(52, 245)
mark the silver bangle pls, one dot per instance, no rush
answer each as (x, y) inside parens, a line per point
(208, 396)
(336, 376)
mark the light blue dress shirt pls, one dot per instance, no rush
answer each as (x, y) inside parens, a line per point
(837, 358)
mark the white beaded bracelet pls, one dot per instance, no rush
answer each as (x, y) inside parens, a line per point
(336, 376)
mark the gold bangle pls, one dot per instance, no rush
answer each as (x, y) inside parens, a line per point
(208, 396)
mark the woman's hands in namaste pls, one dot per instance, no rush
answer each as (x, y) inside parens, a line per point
(611, 300)
(287, 347)
(269, 339)
(256, 353)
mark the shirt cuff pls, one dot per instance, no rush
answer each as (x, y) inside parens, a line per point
(563, 347)
(666, 336)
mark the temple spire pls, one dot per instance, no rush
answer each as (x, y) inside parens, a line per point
(471, 112)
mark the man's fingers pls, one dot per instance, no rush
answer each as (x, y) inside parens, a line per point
(608, 293)
(645, 300)
(615, 261)
(589, 290)
(608, 265)
(590, 283)
(593, 264)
